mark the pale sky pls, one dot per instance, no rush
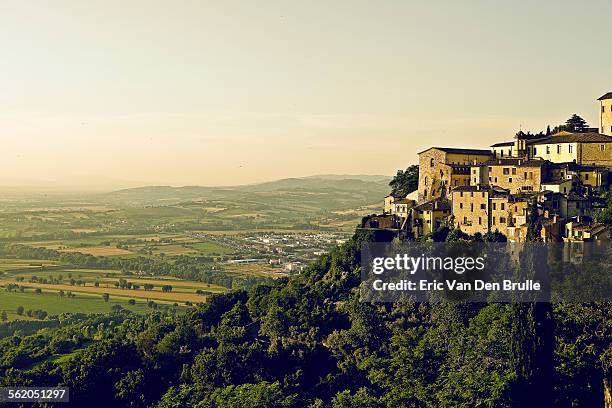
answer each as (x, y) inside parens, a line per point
(124, 93)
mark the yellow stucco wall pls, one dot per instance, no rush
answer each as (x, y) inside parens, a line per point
(605, 117)
(557, 152)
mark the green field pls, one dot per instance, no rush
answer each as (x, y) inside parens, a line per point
(52, 304)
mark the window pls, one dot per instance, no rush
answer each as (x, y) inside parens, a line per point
(465, 220)
(530, 175)
(586, 176)
(493, 220)
(502, 220)
(569, 148)
(461, 205)
(425, 180)
(472, 207)
(502, 153)
(494, 206)
(496, 179)
(506, 171)
(461, 194)
(490, 169)
(514, 171)
(547, 150)
(431, 162)
(483, 206)
(525, 176)
(534, 151)
(474, 180)
(472, 194)
(473, 171)
(483, 194)
(558, 149)
(503, 205)
(602, 147)
(456, 181)
(490, 178)
(479, 220)
(509, 179)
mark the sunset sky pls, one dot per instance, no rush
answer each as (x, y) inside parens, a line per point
(123, 93)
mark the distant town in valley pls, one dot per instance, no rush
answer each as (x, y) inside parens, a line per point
(554, 179)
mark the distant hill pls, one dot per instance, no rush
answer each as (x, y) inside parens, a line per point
(362, 189)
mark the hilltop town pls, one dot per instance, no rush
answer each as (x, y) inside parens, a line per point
(555, 179)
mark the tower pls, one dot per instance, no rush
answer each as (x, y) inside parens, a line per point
(605, 114)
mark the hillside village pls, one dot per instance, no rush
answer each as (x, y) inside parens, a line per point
(556, 178)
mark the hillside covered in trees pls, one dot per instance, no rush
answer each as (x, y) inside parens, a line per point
(308, 341)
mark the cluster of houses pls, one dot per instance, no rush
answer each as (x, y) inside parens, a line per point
(558, 176)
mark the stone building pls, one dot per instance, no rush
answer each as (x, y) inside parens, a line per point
(580, 148)
(513, 174)
(428, 217)
(485, 209)
(443, 168)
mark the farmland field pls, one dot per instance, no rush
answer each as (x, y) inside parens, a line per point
(61, 253)
(53, 304)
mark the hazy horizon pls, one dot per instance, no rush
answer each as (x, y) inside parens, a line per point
(43, 188)
(109, 95)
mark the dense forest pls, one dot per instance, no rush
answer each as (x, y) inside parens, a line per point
(308, 341)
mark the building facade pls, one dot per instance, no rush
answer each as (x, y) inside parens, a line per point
(441, 169)
(605, 114)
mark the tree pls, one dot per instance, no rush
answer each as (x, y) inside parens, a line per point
(4, 316)
(532, 337)
(20, 310)
(105, 297)
(405, 182)
(605, 215)
(131, 302)
(38, 291)
(167, 288)
(148, 286)
(576, 124)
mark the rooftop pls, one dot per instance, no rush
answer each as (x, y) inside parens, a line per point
(574, 138)
(503, 144)
(514, 161)
(458, 150)
(439, 205)
(606, 96)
